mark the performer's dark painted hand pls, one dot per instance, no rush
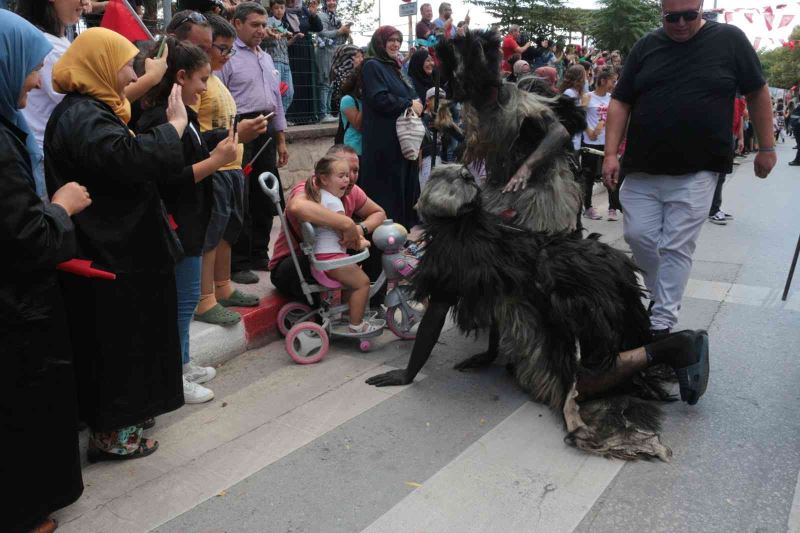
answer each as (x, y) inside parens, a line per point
(393, 377)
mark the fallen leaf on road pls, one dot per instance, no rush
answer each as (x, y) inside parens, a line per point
(413, 484)
(224, 404)
(223, 493)
(482, 421)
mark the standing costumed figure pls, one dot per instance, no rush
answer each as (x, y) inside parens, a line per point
(519, 136)
(565, 312)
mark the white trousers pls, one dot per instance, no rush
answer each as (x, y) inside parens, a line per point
(663, 216)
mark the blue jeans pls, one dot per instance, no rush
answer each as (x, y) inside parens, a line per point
(286, 75)
(325, 99)
(187, 280)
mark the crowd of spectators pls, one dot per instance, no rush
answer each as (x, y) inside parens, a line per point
(144, 159)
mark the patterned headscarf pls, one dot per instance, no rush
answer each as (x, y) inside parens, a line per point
(377, 46)
(22, 49)
(90, 66)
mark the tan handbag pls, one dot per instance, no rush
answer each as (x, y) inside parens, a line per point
(410, 132)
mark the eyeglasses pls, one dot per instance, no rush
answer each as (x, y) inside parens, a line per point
(194, 16)
(674, 18)
(225, 51)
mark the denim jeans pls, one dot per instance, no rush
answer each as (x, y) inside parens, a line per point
(187, 280)
(286, 75)
(324, 99)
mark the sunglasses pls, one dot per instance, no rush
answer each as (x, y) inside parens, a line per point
(225, 51)
(674, 18)
(194, 16)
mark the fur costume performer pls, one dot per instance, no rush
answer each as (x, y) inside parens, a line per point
(522, 138)
(565, 308)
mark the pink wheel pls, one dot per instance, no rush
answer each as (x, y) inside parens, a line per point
(290, 314)
(364, 346)
(307, 343)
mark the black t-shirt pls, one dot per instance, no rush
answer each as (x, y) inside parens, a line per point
(681, 97)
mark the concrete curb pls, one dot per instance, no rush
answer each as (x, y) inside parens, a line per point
(214, 345)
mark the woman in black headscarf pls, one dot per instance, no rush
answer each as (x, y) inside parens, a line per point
(420, 70)
(387, 177)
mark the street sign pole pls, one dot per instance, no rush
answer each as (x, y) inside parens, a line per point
(407, 9)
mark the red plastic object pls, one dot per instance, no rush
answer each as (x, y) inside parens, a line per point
(284, 87)
(84, 268)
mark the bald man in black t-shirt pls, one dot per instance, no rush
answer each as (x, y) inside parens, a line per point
(676, 95)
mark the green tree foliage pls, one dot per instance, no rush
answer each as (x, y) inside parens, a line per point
(782, 65)
(545, 18)
(618, 24)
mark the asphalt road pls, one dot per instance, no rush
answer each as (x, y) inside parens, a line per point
(286, 448)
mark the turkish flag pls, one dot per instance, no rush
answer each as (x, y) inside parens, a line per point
(749, 17)
(119, 16)
(84, 268)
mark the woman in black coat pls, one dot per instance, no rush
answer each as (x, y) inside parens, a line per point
(387, 177)
(302, 60)
(38, 408)
(124, 332)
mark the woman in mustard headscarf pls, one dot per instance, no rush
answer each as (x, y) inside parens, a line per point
(124, 332)
(42, 467)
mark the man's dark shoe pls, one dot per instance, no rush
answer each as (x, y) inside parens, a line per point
(245, 277)
(687, 353)
(794, 163)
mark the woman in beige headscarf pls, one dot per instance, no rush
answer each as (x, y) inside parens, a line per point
(124, 332)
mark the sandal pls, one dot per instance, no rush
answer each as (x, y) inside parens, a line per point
(693, 379)
(96, 455)
(239, 299)
(149, 423)
(219, 316)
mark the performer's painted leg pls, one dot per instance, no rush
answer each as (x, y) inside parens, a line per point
(686, 352)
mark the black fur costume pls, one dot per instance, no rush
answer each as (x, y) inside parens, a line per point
(564, 305)
(557, 305)
(504, 127)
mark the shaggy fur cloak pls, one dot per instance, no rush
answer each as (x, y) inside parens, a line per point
(563, 305)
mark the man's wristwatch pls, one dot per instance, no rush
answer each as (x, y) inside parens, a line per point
(364, 228)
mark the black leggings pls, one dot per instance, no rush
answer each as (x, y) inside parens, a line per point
(591, 168)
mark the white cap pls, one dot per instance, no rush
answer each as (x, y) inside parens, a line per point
(432, 91)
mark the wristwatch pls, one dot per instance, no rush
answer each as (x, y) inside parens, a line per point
(364, 228)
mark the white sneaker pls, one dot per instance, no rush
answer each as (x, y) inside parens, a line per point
(199, 374)
(328, 118)
(718, 218)
(194, 393)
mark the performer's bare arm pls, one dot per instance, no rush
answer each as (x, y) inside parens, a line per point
(556, 136)
(616, 124)
(427, 334)
(760, 105)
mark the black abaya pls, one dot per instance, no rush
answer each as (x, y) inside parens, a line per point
(41, 469)
(387, 177)
(124, 332)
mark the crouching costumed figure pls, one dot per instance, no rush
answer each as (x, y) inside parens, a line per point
(564, 312)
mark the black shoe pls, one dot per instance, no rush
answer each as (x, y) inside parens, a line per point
(95, 456)
(687, 353)
(246, 277)
(794, 163)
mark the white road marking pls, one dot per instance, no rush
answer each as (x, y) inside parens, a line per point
(737, 293)
(519, 477)
(794, 513)
(211, 450)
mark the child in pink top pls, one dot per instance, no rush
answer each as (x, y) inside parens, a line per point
(327, 186)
